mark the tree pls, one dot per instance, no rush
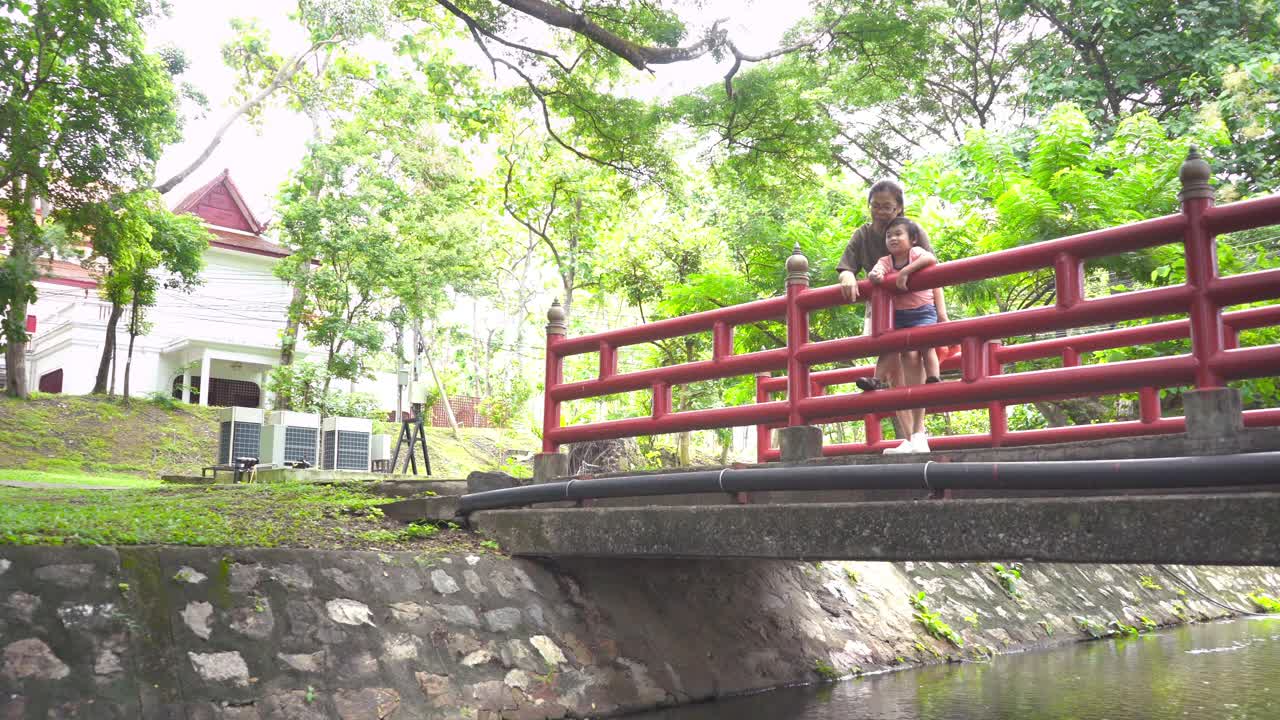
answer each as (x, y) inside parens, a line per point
(317, 76)
(132, 235)
(566, 203)
(84, 112)
(378, 219)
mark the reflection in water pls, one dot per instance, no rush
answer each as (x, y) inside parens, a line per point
(1228, 670)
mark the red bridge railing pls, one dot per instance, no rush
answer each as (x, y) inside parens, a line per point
(1215, 356)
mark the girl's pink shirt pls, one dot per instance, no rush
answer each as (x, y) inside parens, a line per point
(911, 298)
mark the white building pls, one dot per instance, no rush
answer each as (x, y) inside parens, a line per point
(227, 330)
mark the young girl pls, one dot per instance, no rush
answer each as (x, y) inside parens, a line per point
(913, 308)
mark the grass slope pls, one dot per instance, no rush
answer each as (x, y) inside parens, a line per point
(279, 515)
(67, 433)
(72, 434)
(78, 470)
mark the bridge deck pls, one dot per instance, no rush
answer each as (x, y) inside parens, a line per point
(1214, 525)
(1204, 529)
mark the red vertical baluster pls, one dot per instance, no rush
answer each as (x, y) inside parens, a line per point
(1149, 404)
(721, 340)
(608, 361)
(1068, 280)
(661, 400)
(763, 432)
(995, 410)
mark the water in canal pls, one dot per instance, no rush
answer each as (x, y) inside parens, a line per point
(1225, 670)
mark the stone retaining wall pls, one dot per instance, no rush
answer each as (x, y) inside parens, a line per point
(210, 634)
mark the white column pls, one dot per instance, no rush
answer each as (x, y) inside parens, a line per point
(186, 381)
(205, 380)
(262, 390)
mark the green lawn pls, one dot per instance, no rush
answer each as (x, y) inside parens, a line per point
(113, 480)
(279, 515)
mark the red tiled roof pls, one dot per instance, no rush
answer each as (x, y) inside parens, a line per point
(255, 244)
(61, 272)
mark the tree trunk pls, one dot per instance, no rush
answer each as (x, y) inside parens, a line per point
(108, 349)
(15, 358)
(112, 391)
(444, 396)
(292, 324)
(134, 326)
(128, 366)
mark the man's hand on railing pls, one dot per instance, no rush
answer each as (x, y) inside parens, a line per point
(849, 286)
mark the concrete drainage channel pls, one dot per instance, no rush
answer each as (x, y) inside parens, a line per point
(233, 634)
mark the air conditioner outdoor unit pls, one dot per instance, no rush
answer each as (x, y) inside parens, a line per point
(239, 434)
(380, 448)
(345, 443)
(291, 437)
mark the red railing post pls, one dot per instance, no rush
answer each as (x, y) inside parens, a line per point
(799, 440)
(1202, 269)
(557, 327)
(797, 334)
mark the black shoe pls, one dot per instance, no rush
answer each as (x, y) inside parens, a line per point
(933, 379)
(871, 384)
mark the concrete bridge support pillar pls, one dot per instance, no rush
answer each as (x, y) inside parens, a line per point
(799, 443)
(1215, 419)
(548, 467)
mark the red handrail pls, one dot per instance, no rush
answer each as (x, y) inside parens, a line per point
(1214, 357)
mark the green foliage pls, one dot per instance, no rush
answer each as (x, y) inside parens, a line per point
(1009, 577)
(825, 670)
(1113, 628)
(932, 622)
(307, 386)
(1119, 628)
(506, 401)
(1091, 628)
(84, 112)
(1147, 582)
(1264, 602)
(378, 216)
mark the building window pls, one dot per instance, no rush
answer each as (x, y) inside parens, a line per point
(51, 382)
(222, 392)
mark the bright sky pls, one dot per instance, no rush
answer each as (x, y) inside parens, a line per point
(260, 158)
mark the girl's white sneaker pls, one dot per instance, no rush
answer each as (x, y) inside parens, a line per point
(901, 449)
(920, 443)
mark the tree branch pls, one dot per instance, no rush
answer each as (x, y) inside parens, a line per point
(282, 76)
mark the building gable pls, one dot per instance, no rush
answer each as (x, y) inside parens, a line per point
(219, 203)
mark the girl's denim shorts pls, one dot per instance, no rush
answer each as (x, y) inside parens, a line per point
(915, 317)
